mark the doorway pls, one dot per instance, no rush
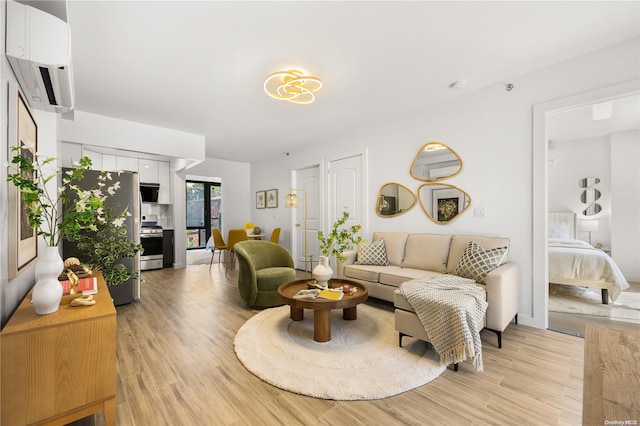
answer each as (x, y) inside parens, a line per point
(203, 212)
(595, 141)
(307, 179)
(541, 113)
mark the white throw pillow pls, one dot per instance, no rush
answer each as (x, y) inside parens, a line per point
(374, 254)
(477, 262)
(560, 230)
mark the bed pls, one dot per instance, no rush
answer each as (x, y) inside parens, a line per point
(574, 262)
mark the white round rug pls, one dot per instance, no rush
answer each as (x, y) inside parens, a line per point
(361, 361)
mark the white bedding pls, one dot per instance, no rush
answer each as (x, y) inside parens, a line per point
(577, 260)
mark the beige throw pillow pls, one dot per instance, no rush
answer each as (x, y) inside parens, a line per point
(477, 262)
(374, 254)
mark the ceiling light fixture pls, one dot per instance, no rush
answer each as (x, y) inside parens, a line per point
(293, 86)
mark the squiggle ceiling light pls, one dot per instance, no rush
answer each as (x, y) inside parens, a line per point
(292, 86)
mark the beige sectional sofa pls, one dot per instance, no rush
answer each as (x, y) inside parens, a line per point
(413, 256)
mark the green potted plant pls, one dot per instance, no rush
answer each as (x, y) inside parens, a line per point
(98, 230)
(334, 244)
(64, 214)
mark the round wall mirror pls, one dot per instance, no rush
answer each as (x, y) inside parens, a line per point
(435, 161)
(590, 195)
(588, 181)
(394, 199)
(442, 202)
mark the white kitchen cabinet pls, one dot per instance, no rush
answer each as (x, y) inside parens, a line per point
(127, 164)
(71, 152)
(109, 163)
(96, 158)
(148, 170)
(164, 179)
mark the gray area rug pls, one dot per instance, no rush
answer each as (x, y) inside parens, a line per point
(361, 361)
(588, 301)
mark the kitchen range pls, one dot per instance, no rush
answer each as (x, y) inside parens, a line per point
(151, 239)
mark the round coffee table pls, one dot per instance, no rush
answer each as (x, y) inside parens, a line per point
(322, 307)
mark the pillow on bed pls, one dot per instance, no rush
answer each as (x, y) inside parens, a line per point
(560, 230)
(477, 262)
(374, 254)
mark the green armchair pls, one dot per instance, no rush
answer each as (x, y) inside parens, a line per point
(264, 266)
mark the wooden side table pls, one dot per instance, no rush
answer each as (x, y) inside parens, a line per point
(60, 367)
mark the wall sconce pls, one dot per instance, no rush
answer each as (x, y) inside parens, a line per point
(292, 86)
(291, 200)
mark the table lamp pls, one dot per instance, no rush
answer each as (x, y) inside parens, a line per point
(589, 226)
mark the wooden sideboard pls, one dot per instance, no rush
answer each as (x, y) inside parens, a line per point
(60, 367)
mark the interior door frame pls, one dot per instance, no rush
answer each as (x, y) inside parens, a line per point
(539, 262)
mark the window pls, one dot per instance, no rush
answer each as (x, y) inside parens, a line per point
(204, 211)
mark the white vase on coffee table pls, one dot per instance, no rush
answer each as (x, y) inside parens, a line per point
(322, 273)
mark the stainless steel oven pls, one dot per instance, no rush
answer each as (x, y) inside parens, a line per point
(151, 241)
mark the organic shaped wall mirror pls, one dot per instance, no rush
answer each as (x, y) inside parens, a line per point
(435, 161)
(588, 181)
(394, 199)
(590, 195)
(593, 209)
(442, 202)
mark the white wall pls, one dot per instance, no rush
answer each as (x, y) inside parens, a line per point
(237, 200)
(491, 130)
(625, 202)
(13, 291)
(575, 160)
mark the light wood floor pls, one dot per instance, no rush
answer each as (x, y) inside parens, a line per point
(575, 323)
(177, 366)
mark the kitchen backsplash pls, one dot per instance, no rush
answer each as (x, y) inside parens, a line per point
(164, 212)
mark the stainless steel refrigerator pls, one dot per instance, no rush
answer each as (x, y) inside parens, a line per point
(127, 196)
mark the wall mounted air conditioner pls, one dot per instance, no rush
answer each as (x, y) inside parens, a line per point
(38, 48)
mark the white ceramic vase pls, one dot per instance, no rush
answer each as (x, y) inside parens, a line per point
(47, 293)
(323, 272)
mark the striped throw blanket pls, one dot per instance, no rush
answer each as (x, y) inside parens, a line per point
(451, 309)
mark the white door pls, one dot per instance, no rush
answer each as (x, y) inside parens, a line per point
(307, 179)
(346, 190)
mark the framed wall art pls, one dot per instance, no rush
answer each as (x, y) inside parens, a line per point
(23, 132)
(272, 198)
(260, 197)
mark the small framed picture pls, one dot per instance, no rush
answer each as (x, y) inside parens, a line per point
(260, 197)
(272, 198)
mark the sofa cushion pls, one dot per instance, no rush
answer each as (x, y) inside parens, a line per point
(394, 244)
(477, 262)
(369, 273)
(427, 251)
(460, 242)
(374, 254)
(397, 277)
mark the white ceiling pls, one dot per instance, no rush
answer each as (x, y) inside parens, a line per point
(200, 66)
(578, 124)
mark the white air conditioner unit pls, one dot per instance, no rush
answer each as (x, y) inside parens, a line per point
(39, 52)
